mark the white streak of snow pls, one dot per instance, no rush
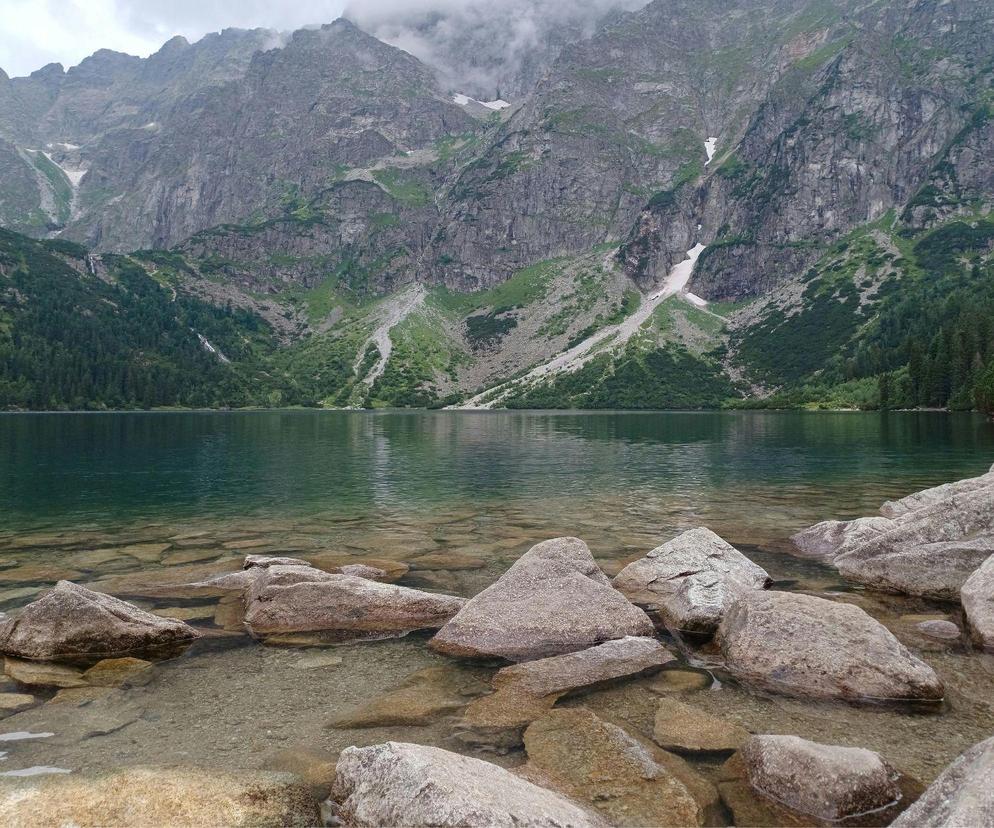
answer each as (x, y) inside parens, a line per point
(694, 299)
(709, 147)
(619, 334)
(396, 311)
(464, 100)
(206, 343)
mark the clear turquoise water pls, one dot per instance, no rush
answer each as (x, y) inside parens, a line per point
(64, 470)
(126, 501)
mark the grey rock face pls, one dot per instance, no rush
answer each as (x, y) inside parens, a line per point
(930, 551)
(826, 781)
(977, 596)
(692, 579)
(290, 599)
(553, 600)
(962, 795)
(403, 784)
(804, 646)
(71, 622)
(829, 538)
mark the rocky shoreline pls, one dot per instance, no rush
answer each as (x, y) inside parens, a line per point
(561, 628)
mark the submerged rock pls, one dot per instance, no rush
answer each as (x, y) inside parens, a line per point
(691, 580)
(524, 692)
(825, 540)
(159, 796)
(41, 674)
(553, 600)
(631, 782)
(962, 795)
(825, 781)
(939, 630)
(686, 729)
(293, 599)
(810, 647)
(72, 622)
(977, 596)
(15, 702)
(116, 672)
(420, 698)
(403, 784)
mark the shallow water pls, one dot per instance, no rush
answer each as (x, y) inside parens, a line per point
(92, 497)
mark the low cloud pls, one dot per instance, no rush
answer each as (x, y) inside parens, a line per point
(483, 47)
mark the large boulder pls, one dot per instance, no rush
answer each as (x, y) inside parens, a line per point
(403, 784)
(691, 580)
(159, 796)
(930, 551)
(825, 540)
(553, 600)
(962, 795)
(929, 497)
(524, 692)
(287, 600)
(929, 570)
(805, 646)
(977, 596)
(71, 622)
(926, 544)
(631, 782)
(825, 781)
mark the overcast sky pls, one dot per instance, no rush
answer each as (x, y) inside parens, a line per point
(36, 32)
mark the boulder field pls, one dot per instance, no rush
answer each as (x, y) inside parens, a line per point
(567, 629)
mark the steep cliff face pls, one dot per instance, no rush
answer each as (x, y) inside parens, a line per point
(620, 122)
(851, 130)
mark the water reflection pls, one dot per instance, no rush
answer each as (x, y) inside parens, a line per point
(78, 468)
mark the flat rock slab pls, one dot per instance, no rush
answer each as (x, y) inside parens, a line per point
(962, 795)
(155, 797)
(289, 600)
(805, 646)
(687, 729)
(553, 600)
(15, 702)
(42, 674)
(691, 580)
(631, 782)
(396, 783)
(825, 781)
(977, 597)
(421, 697)
(117, 672)
(524, 692)
(72, 622)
